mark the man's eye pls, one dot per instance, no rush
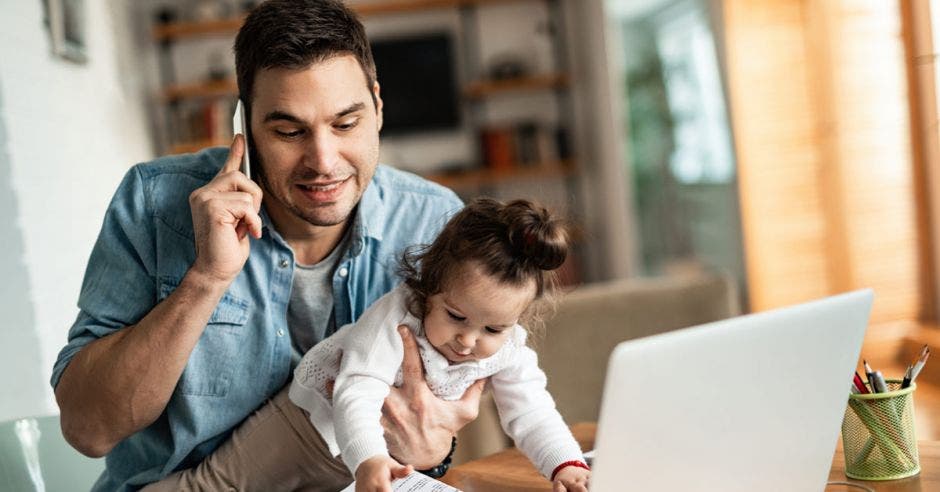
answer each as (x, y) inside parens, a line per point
(455, 317)
(347, 125)
(292, 134)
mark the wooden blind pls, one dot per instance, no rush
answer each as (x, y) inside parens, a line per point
(819, 108)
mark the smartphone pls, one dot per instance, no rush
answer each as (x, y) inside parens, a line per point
(239, 126)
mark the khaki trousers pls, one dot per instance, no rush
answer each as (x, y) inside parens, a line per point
(276, 448)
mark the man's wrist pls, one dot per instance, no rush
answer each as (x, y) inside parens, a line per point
(439, 470)
(204, 283)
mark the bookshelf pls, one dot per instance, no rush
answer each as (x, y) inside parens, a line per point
(211, 98)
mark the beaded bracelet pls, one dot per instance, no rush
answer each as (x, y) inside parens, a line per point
(439, 470)
(579, 464)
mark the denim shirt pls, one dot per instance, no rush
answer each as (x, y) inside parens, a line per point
(243, 356)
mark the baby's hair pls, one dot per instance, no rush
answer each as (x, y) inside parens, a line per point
(516, 242)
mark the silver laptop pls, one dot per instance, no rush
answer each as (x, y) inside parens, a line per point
(749, 403)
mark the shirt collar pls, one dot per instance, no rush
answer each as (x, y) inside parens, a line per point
(370, 214)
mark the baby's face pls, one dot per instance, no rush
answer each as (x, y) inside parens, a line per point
(474, 315)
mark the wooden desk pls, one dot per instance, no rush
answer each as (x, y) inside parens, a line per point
(510, 471)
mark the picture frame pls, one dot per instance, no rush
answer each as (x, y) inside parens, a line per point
(66, 22)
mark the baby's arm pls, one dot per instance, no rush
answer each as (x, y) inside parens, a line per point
(528, 415)
(377, 472)
(371, 356)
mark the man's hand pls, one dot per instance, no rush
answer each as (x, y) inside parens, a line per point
(224, 211)
(376, 474)
(419, 425)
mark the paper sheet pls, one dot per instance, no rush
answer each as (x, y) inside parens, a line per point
(415, 482)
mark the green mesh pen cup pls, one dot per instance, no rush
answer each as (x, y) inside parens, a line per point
(878, 434)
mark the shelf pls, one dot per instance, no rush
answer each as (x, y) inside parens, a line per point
(195, 146)
(215, 88)
(476, 90)
(175, 30)
(486, 176)
(191, 29)
(366, 8)
(482, 89)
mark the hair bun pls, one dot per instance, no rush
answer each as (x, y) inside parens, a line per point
(535, 236)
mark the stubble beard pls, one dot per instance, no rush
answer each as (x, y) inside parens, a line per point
(305, 215)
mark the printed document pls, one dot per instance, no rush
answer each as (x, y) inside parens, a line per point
(415, 482)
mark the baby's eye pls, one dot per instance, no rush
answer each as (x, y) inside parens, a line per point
(455, 317)
(495, 331)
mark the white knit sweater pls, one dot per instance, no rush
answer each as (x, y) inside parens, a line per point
(364, 359)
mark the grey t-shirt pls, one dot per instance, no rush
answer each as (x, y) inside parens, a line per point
(310, 311)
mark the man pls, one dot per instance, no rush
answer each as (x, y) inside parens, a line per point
(204, 285)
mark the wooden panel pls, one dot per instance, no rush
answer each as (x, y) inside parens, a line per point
(925, 146)
(870, 112)
(777, 151)
(819, 109)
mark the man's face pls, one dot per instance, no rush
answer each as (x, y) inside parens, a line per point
(316, 133)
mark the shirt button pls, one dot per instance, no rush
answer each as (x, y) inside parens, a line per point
(343, 272)
(280, 332)
(284, 263)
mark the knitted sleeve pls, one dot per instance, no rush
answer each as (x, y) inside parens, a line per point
(527, 414)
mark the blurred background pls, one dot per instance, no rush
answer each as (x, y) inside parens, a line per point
(791, 145)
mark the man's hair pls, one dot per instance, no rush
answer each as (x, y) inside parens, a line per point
(295, 34)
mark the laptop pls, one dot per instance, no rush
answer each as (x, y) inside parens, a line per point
(749, 403)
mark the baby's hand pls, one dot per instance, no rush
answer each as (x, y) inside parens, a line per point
(376, 474)
(571, 479)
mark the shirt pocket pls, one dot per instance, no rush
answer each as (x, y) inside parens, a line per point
(211, 364)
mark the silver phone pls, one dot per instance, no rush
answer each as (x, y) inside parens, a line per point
(239, 126)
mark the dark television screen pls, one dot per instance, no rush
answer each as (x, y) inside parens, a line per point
(417, 79)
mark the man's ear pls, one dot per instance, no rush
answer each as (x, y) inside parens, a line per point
(376, 92)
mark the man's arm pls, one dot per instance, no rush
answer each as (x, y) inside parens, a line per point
(419, 426)
(121, 383)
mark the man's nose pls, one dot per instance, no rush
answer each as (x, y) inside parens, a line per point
(322, 153)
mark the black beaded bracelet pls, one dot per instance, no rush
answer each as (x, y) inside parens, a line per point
(439, 470)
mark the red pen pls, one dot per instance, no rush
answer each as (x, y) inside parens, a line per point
(860, 385)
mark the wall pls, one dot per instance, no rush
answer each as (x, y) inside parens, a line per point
(68, 133)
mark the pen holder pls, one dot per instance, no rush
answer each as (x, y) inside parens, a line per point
(878, 434)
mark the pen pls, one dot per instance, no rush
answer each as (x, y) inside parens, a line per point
(878, 382)
(860, 385)
(920, 364)
(909, 375)
(870, 375)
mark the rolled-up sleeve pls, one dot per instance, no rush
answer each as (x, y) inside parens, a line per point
(119, 286)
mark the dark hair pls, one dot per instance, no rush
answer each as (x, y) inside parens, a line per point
(517, 242)
(294, 34)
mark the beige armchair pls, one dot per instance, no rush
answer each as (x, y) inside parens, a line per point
(588, 324)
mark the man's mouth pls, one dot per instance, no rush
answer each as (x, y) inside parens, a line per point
(322, 187)
(323, 192)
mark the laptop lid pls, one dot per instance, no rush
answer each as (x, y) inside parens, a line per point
(744, 404)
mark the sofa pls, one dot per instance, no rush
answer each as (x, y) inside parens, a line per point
(587, 324)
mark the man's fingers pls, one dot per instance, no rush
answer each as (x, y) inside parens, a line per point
(411, 367)
(239, 208)
(235, 153)
(469, 403)
(472, 395)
